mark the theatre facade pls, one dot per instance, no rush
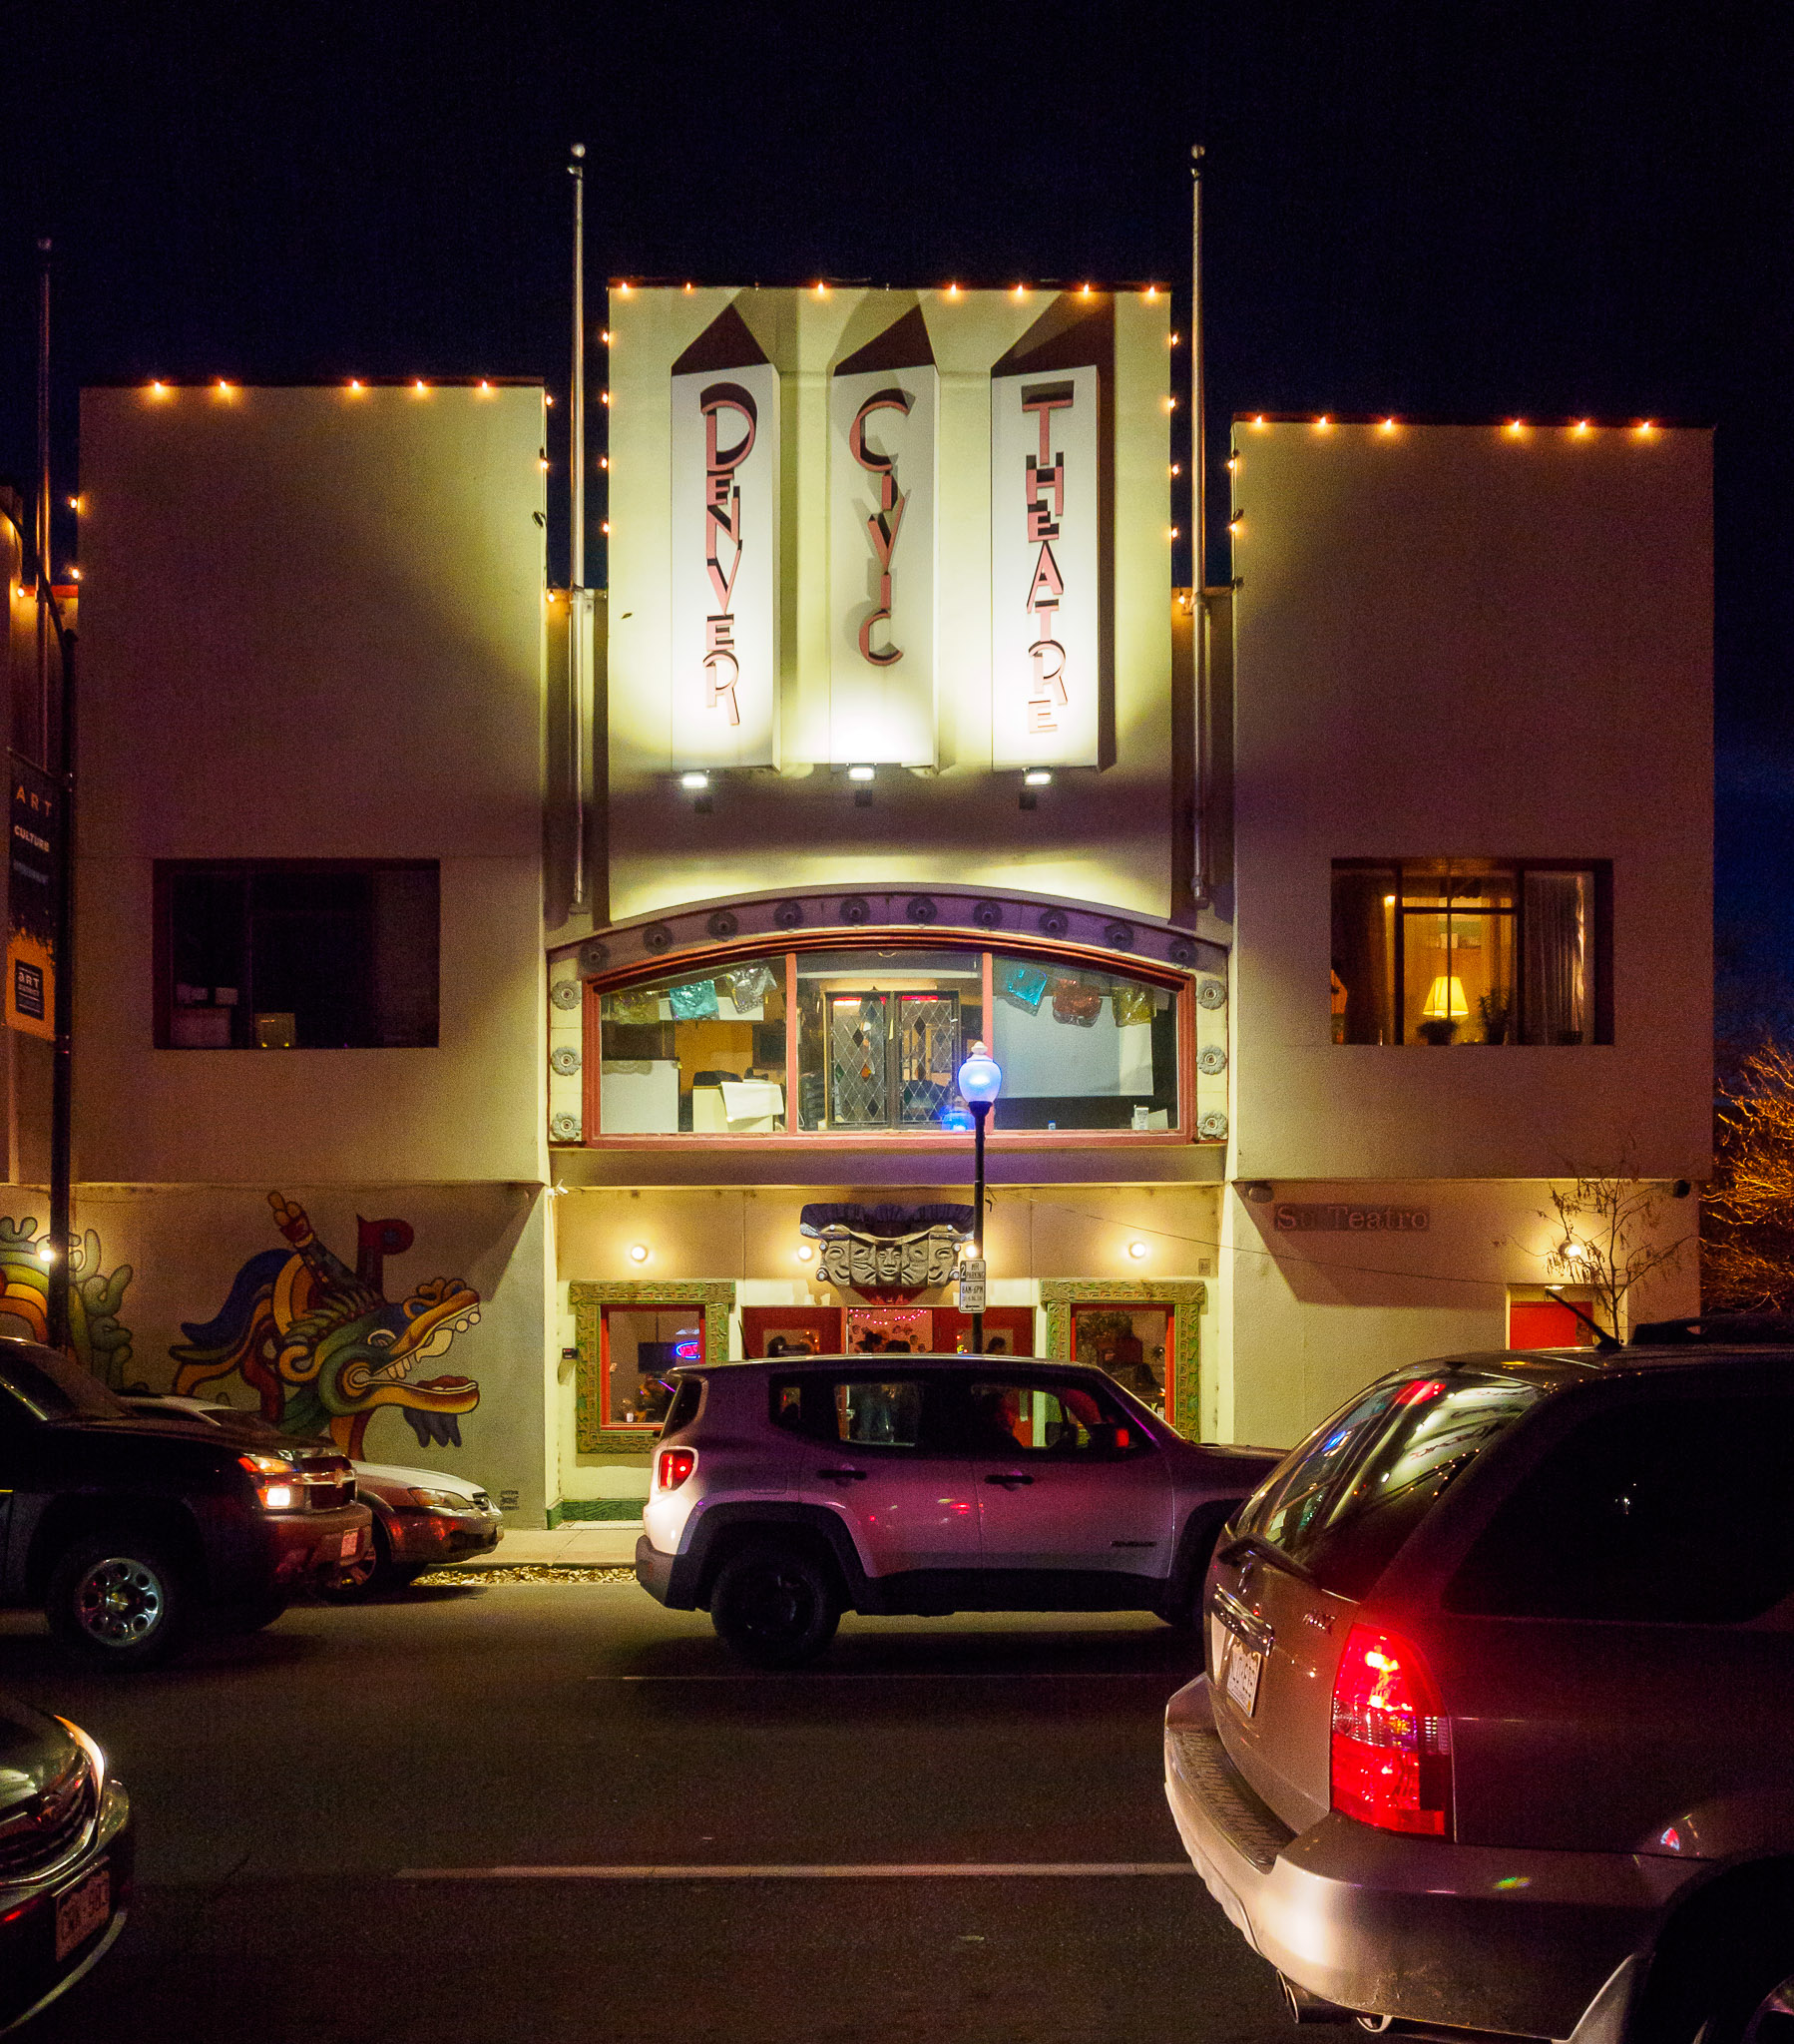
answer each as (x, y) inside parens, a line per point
(493, 994)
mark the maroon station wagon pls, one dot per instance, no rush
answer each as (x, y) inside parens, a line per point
(1495, 1728)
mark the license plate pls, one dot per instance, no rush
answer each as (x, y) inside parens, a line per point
(350, 1544)
(82, 1912)
(1243, 1670)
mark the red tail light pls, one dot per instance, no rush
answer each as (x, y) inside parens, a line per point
(1392, 1742)
(674, 1466)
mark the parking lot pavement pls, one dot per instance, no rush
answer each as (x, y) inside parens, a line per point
(321, 1808)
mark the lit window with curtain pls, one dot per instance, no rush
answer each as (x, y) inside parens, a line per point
(1469, 951)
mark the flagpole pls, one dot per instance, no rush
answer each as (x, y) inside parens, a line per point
(1198, 535)
(575, 576)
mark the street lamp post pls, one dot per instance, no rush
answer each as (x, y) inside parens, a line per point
(980, 1081)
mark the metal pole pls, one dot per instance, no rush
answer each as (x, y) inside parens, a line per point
(576, 573)
(980, 1110)
(61, 765)
(1198, 530)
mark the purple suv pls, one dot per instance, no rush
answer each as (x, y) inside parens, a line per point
(784, 1492)
(1497, 1728)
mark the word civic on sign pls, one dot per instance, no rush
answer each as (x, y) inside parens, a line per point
(885, 523)
(883, 452)
(1327, 1217)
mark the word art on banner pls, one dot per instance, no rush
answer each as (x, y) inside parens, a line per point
(726, 505)
(33, 892)
(883, 412)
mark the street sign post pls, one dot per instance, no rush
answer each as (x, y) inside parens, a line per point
(971, 1285)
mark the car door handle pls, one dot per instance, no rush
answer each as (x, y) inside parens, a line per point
(846, 1475)
(1009, 1479)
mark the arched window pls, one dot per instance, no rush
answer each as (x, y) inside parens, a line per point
(863, 1041)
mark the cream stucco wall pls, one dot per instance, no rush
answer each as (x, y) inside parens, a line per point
(1308, 1319)
(1097, 837)
(1454, 641)
(313, 629)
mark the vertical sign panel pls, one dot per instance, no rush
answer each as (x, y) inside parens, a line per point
(1047, 665)
(726, 456)
(33, 866)
(883, 413)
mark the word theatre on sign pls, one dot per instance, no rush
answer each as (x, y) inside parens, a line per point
(883, 413)
(725, 539)
(1052, 540)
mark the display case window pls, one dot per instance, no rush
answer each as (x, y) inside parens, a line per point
(864, 1042)
(696, 1055)
(1134, 1345)
(640, 1345)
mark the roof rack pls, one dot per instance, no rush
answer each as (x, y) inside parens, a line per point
(1714, 1327)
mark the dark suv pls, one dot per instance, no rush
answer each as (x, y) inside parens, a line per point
(1497, 1729)
(785, 1492)
(127, 1529)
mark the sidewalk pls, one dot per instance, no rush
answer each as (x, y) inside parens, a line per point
(607, 1544)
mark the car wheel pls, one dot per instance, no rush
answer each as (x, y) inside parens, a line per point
(369, 1575)
(774, 1606)
(117, 1600)
(1738, 1986)
(1185, 1612)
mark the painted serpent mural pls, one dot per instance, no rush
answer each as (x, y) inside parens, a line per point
(323, 1344)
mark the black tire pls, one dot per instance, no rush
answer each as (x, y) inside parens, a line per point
(775, 1605)
(369, 1575)
(1185, 1613)
(119, 1601)
(1737, 1987)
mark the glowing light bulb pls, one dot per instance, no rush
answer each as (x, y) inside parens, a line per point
(603, 525)
(1151, 290)
(1174, 532)
(604, 461)
(807, 1253)
(1324, 424)
(604, 397)
(223, 388)
(605, 337)
(1258, 423)
(1581, 426)
(1176, 468)
(1646, 428)
(1136, 1250)
(1087, 291)
(624, 288)
(1515, 427)
(690, 287)
(638, 1253)
(484, 385)
(1389, 425)
(159, 389)
(354, 387)
(420, 386)
(1018, 291)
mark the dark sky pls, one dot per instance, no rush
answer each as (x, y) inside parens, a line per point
(1441, 209)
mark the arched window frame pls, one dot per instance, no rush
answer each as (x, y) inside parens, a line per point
(705, 960)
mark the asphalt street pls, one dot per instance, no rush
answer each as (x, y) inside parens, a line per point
(517, 1814)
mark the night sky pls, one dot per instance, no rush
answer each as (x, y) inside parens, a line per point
(1452, 210)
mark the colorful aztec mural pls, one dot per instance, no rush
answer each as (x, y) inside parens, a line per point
(96, 1338)
(321, 1345)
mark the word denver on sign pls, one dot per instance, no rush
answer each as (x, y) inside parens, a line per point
(883, 424)
(1329, 1216)
(725, 511)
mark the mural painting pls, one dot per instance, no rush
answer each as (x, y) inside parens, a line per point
(96, 1338)
(321, 1345)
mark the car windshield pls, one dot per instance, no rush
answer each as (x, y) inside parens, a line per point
(1343, 1507)
(53, 1388)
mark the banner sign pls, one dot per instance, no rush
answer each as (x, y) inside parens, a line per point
(726, 510)
(883, 413)
(1051, 624)
(34, 868)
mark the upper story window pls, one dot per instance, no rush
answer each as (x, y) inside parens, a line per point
(294, 954)
(851, 1041)
(1471, 951)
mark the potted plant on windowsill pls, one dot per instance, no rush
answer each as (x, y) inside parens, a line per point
(1493, 1009)
(1438, 1030)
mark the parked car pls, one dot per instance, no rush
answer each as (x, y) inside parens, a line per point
(128, 1528)
(786, 1491)
(66, 1854)
(422, 1518)
(1494, 1727)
